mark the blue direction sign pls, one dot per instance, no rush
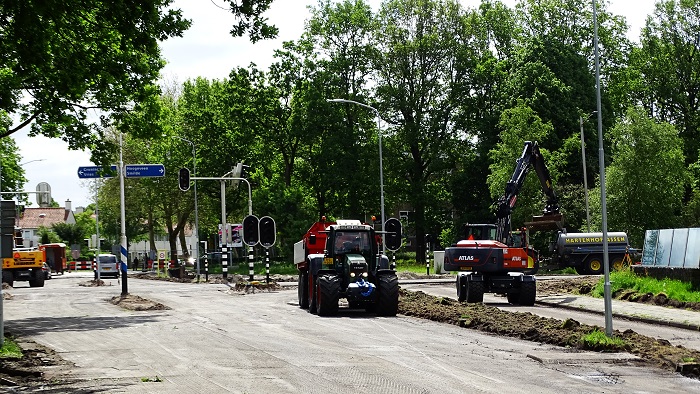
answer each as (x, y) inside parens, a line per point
(96, 172)
(144, 170)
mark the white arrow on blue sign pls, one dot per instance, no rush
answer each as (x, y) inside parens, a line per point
(144, 170)
(96, 172)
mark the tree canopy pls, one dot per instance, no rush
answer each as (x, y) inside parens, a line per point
(453, 92)
(63, 59)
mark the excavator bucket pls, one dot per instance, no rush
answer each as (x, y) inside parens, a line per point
(553, 221)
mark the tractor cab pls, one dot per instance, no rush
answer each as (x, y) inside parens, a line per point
(350, 242)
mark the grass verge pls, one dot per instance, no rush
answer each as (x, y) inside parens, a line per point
(599, 340)
(10, 349)
(627, 280)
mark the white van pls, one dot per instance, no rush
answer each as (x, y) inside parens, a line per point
(108, 265)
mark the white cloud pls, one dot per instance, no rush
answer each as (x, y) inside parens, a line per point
(208, 50)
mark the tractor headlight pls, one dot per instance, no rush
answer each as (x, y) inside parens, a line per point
(364, 274)
(352, 274)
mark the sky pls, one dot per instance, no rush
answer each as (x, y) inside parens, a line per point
(208, 50)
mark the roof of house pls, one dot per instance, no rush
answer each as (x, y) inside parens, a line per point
(38, 217)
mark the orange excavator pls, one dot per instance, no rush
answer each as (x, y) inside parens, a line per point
(496, 259)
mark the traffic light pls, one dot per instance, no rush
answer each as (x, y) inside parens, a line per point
(393, 237)
(245, 171)
(19, 241)
(251, 235)
(184, 178)
(7, 228)
(268, 231)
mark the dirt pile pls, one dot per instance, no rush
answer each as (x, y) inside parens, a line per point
(136, 303)
(39, 367)
(568, 333)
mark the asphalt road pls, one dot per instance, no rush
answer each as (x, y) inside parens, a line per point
(214, 340)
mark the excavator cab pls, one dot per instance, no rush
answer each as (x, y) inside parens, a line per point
(480, 232)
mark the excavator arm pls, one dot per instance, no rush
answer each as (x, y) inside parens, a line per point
(529, 159)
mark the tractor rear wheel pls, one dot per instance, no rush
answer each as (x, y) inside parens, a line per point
(388, 297)
(328, 293)
(313, 302)
(303, 290)
(475, 291)
(528, 292)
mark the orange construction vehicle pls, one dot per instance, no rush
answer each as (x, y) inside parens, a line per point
(496, 259)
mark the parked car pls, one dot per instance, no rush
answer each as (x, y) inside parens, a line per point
(108, 265)
(47, 271)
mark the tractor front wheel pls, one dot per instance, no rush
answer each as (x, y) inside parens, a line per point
(328, 293)
(513, 296)
(388, 297)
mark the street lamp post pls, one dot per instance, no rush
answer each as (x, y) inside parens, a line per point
(19, 165)
(381, 165)
(607, 295)
(196, 213)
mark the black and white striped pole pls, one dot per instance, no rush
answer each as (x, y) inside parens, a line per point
(251, 237)
(427, 254)
(206, 262)
(224, 261)
(268, 236)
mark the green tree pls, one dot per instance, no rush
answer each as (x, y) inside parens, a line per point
(488, 57)
(420, 75)
(114, 66)
(664, 75)
(345, 153)
(47, 236)
(11, 173)
(50, 83)
(520, 124)
(71, 234)
(647, 178)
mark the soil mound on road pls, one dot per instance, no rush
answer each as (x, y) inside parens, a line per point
(524, 325)
(136, 303)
